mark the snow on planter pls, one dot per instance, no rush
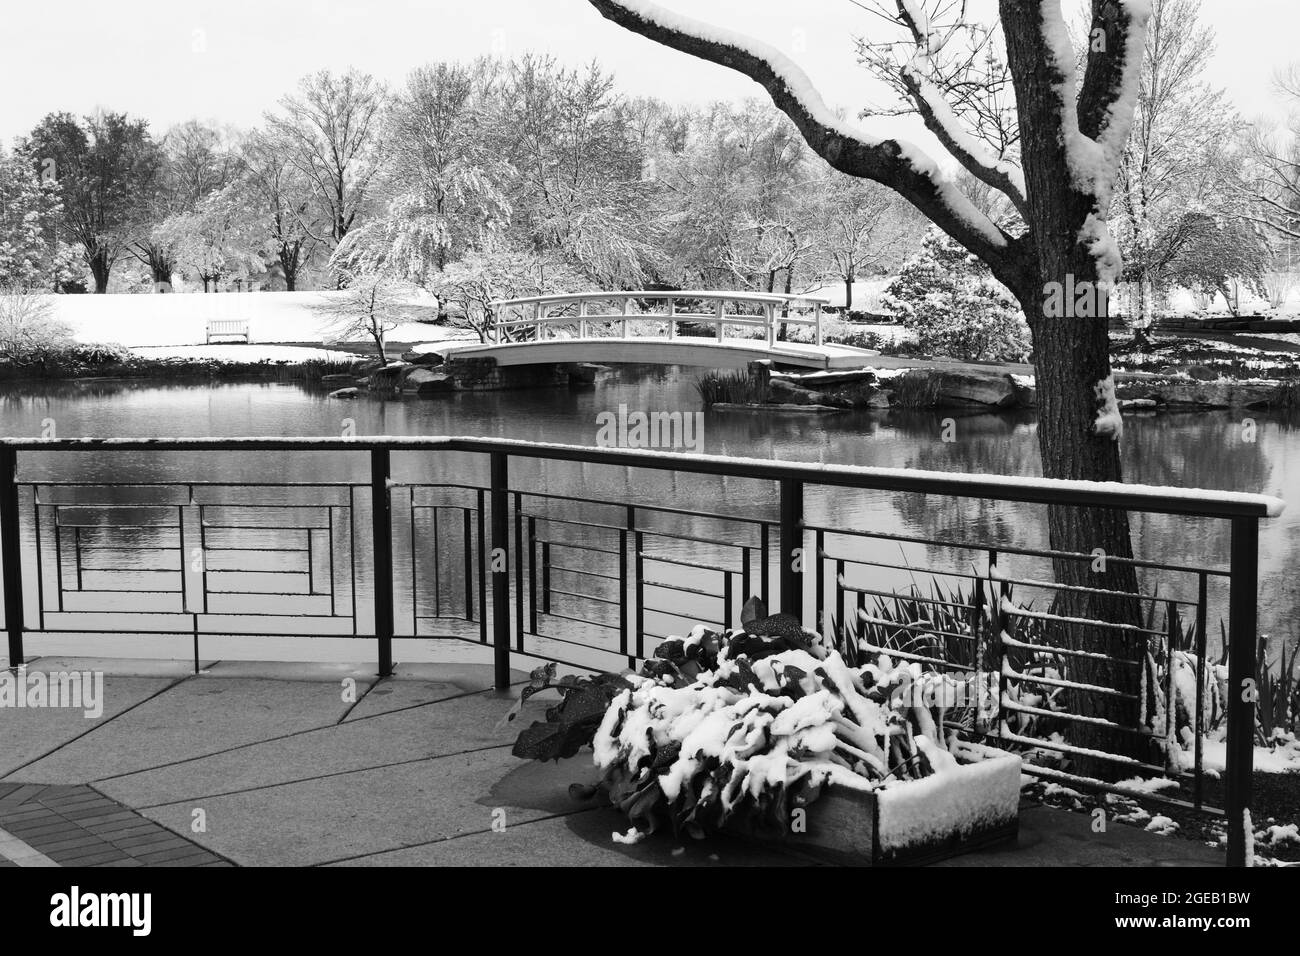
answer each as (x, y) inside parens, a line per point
(774, 735)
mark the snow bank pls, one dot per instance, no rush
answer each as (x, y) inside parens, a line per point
(236, 354)
(182, 319)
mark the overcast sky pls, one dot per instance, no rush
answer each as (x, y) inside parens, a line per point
(170, 60)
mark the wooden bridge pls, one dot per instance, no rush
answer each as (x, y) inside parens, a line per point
(704, 328)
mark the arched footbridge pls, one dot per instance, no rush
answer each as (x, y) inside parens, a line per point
(705, 328)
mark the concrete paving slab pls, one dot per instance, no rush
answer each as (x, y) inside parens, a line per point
(392, 695)
(335, 818)
(583, 838)
(118, 667)
(194, 717)
(447, 727)
(31, 733)
(326, 671)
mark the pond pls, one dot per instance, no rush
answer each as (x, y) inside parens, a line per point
(1204, 449)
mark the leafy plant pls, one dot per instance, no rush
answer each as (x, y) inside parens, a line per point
(737, 388)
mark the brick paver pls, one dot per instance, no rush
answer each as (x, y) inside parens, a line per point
(76, 825)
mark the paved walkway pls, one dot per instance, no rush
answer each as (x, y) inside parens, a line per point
(291, 764)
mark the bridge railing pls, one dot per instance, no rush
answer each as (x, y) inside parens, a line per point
(543, 315)
(117, 540)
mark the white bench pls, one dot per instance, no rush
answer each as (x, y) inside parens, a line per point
(228, 330)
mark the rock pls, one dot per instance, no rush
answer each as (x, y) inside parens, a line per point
(969, 387)
(878, 400)
(418, 376)
(855, 396)
(351, 392)
(786, 393)
(823, 380)
(585, 373)
(1026, 393)
(1137, 404)
(438, 383)
(423, 358)
(1201, 373)
(1219, 395)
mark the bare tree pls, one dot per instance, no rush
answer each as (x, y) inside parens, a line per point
(331, 127)
(281, 195)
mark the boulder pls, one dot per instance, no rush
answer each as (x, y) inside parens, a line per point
(1201, 373)
(784, 392)
(971, 387)
(352, 392)
(824, 380)
(423, 358)
(437, 383)
(1219, 395)
(417, 376)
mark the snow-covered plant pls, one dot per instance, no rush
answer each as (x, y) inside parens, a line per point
(748, 727)
(948, 299)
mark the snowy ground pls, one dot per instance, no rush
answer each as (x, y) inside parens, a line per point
(171, 320)
(244, 353)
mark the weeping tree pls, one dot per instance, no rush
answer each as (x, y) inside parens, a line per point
(1069, 125)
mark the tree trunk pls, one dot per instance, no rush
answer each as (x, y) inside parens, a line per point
(848, 293)
(1072, 358)
(100, 268)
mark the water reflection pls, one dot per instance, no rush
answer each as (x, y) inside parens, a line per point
(1205, 450)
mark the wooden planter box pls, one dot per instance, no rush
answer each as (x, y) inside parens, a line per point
(922, 821)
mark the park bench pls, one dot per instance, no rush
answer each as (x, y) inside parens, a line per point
(228, 330)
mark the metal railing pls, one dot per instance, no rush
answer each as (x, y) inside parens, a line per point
(597, 582)
(615, 312)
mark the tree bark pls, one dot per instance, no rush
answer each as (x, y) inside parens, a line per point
(100, 268)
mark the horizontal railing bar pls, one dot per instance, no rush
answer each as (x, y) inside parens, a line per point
(1010, 671)
(707, 294)
(584, 597)
(575, 620)
(1016, 611)
(1009, 704)
(911, 628)
(686, 564)
(1067, 651)
(1205, 503)
(1025, 552)
(1113, 494)
(659, 509)
(1084, 589)
(574, 547)
(912, 656)
(1081, 751)
(1138, 795)
(694, 617)
(684, 588)
(197, 483)
(594, 574)
(903, 596)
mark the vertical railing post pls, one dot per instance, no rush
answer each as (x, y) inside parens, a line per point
(499, 565)
(11, 553)
(1242, 597)
(791, 572)
(382, 539)
(817, 320)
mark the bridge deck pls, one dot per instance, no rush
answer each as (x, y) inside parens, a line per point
(732, 353)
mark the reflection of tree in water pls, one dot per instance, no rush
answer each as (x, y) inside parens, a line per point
(985, 444)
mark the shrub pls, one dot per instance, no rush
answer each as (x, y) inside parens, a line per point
(737, 388)
(29, 332)
(955, 307)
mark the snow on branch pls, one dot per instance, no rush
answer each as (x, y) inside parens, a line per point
(1095, 125)
(895, 163)
(939, 117)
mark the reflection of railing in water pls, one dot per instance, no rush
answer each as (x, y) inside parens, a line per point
(593, 583)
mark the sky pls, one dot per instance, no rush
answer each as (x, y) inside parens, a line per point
(228, 61)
